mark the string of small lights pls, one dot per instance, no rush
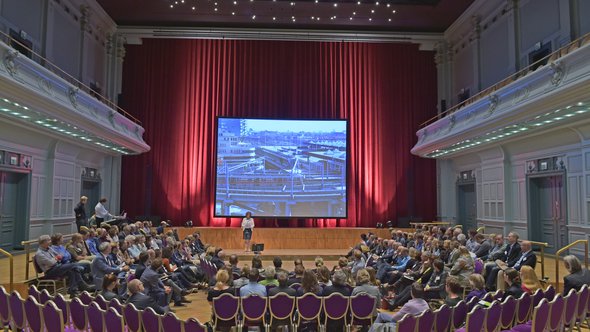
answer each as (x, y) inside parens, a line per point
(310, 11)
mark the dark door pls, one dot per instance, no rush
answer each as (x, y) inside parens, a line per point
(467, 206)
(90, 189)
(547, 217)
(13, 208)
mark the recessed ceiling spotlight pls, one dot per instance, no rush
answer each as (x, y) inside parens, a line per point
(274, 18)
(372, 11)
(193, 8)
(316, 1)
(377, 3)
(394, 11)
(313, 17)
(389, 20)
(253, 17)
(171, 6)
(233, 13)
(370, 19)
(353, 13)
(335, 4)
(292, 4)
(388, 5)
(358, 2)
(235, 2)
(318, 18)
(216, 4)
(215, 9)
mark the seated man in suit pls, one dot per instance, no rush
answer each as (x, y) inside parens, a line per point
(155, 287)
(142, 301)
(527, 257)
(283, 286)
(577, 278)
(511, 255)
(103, 265)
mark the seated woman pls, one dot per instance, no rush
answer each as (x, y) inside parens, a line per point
(309, 284)
(245, 272)
(363, 285)
(109, 283)
(324, 276)
(464, 266)
(221, 286)
(269, 277)
(477, 283)
(530, 282)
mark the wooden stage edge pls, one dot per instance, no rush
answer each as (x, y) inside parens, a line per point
(284, 238)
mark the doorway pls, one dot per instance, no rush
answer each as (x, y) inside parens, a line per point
(90, 189)
(547, 209)
(467, 205)
(14, 207)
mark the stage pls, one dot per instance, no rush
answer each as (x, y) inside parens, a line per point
(230, 238)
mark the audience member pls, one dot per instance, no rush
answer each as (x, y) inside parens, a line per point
(512, 279)
(221, 286)
(269, 277)
(283, 286)
(296, 279)
(338, 285)
(477, 283)
(363, 285)
(253, 287)
(577, 278)
(414, 307)
(142, 301)
(454, 291)
(529, 281)
(309, 284)
(109, 283)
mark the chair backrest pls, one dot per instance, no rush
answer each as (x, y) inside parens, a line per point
(475, 319)
(53, 318)
(407, 324)
(550, 293)
(425, 322)
(583, 303)
(472, 302)
(571, 305)
(114, 322)
(63, 305)
(4, 305)
(44, 296)
(86, 298)
(78, 314)
(538, 295)
(102, 303)
(193, 325)
(336, 306)
(226, 307)
(17, 311)
(281, 306)
(309, 306)
(132, 317)
(362, 306)
(489, 297)
(493, 315)
(508, 313)
(254, 307)
(150, 320)
(171, 323)
(523, 308)
(498, 295)
(443, 318)
(556, 311)
(459, 314)
(95, 317)
(33, 314)
(540, 316)
(34, 292)
(116, 304)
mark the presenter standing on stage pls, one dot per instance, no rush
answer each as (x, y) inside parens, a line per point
(247, 227)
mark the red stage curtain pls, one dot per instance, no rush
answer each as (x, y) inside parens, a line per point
(177, 87)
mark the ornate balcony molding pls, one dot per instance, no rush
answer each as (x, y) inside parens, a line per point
(32, 94)
(553, 95)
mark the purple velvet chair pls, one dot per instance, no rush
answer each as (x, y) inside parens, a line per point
(459, 315)
(17, 311)
(523, 309)
(4, 307)
(556, 312)
(132, 318)
(44, 296)
(362, 308)
(33, 314)
(489, 297)
(571, 306)
(281, 308)
(102, 303)
(95, 317)
(537, 297)
(78, 314)
(550, 293)
(193, 325)
(443, 318)
(170, 322)
(508, 313)
(407, 323)
(150, 320)
(295, 286)
(425, 321)
(116, 304)
(225, 310)
(472, 302)
(34, 292)
(335, 310)
(539, 322)
(114, 322)
(583, 303)
(309, 309)
(253, 310)
(63, 305)
(53, 318)
(493, 316)
(497, 295)
(86, 298)
(475, 320)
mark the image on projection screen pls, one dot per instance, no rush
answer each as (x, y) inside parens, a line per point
(281, 168)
